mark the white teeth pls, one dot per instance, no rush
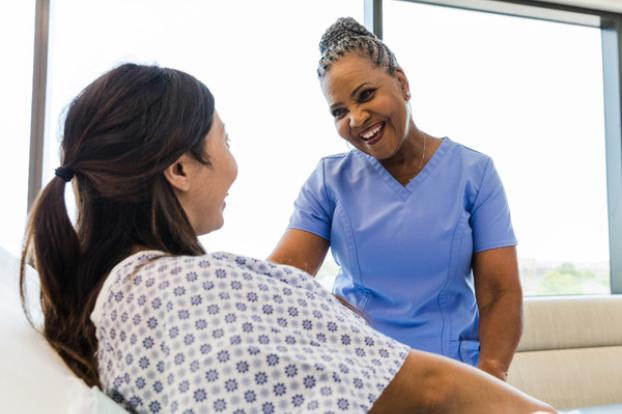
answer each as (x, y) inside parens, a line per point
(371, 132)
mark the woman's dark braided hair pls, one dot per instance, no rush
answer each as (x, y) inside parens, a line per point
(347, 35)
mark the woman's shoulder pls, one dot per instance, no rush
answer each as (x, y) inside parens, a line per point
(467, 153)
(342, 160)
(470, 164)
(157, 263)
(152, 275)
(343, 166)
(156, 267)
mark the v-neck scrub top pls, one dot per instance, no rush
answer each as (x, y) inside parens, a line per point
(405, 252)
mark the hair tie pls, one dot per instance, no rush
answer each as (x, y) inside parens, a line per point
(65, 173)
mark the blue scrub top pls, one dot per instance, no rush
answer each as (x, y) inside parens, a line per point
(405, 251)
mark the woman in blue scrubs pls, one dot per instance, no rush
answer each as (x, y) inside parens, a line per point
(419, 225)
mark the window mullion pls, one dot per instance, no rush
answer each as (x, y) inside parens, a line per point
(611, 44)
(39, 87)
(373, 16)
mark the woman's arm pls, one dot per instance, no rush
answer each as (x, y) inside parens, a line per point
(429, 383)
(500, 302)
(300, 249)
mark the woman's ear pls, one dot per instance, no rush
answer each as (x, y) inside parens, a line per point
(403, 81)
(177, 173)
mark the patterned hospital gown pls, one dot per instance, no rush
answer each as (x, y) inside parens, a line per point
(222, 333)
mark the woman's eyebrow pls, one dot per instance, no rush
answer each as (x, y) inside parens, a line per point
(353, 94)
(358, 88)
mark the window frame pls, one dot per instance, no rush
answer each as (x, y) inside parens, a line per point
(39, 99)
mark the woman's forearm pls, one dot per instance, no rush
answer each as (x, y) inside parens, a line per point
(500, 328)
(500, 302)
(300, 249)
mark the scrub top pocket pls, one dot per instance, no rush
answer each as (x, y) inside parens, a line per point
(469, 351)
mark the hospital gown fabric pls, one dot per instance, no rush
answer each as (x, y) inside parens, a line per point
(222, 333)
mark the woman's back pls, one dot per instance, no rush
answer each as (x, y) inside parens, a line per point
(226, 333)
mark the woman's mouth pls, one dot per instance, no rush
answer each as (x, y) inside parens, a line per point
(373, 134)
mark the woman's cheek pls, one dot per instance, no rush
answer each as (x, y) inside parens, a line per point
(343, 130)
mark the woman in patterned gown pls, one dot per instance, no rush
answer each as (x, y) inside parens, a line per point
(134, 305)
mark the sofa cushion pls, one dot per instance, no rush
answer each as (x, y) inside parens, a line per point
(602, 409)
(572, 322)
(570, 354)
(570, 378)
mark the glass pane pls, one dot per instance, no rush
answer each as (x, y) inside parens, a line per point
(17, 41)
(528, 93)
(259, 60)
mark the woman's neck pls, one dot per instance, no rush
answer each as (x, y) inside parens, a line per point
(410, 158)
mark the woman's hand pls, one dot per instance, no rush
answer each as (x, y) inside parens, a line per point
(496, 369)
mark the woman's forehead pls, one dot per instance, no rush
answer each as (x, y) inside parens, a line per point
(218, 127)
(349, 73)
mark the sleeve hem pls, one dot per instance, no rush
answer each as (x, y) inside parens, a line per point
(406, 351)
(317, 232)
(497, 245)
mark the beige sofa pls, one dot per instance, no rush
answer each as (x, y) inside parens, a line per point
(570, 354)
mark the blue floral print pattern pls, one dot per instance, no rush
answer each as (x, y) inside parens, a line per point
(226, 333)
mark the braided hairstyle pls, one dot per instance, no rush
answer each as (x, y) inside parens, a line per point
(347, 35)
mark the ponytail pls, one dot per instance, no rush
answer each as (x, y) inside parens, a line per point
(53, 243)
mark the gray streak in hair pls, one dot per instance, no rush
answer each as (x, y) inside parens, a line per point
(347, 35)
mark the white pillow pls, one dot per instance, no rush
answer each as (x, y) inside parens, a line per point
(33, 378)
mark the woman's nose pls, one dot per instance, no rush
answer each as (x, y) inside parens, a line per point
(358, 117)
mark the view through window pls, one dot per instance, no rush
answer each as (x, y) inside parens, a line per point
(529, 93)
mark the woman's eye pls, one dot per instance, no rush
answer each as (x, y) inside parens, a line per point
(338, 112)
(366, 95)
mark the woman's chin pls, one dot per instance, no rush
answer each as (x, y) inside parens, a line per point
(381, 155)
(378, 151)
(210, 228)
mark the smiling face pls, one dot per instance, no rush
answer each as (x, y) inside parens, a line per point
(201, 188)
(216, 179)
(369, 106)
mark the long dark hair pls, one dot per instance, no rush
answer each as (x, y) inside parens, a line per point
(120, 134)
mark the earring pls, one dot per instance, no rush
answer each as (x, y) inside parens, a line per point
(408, 96)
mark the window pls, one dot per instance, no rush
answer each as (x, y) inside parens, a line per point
(259, 64)
(529, 93)
(17, 24)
